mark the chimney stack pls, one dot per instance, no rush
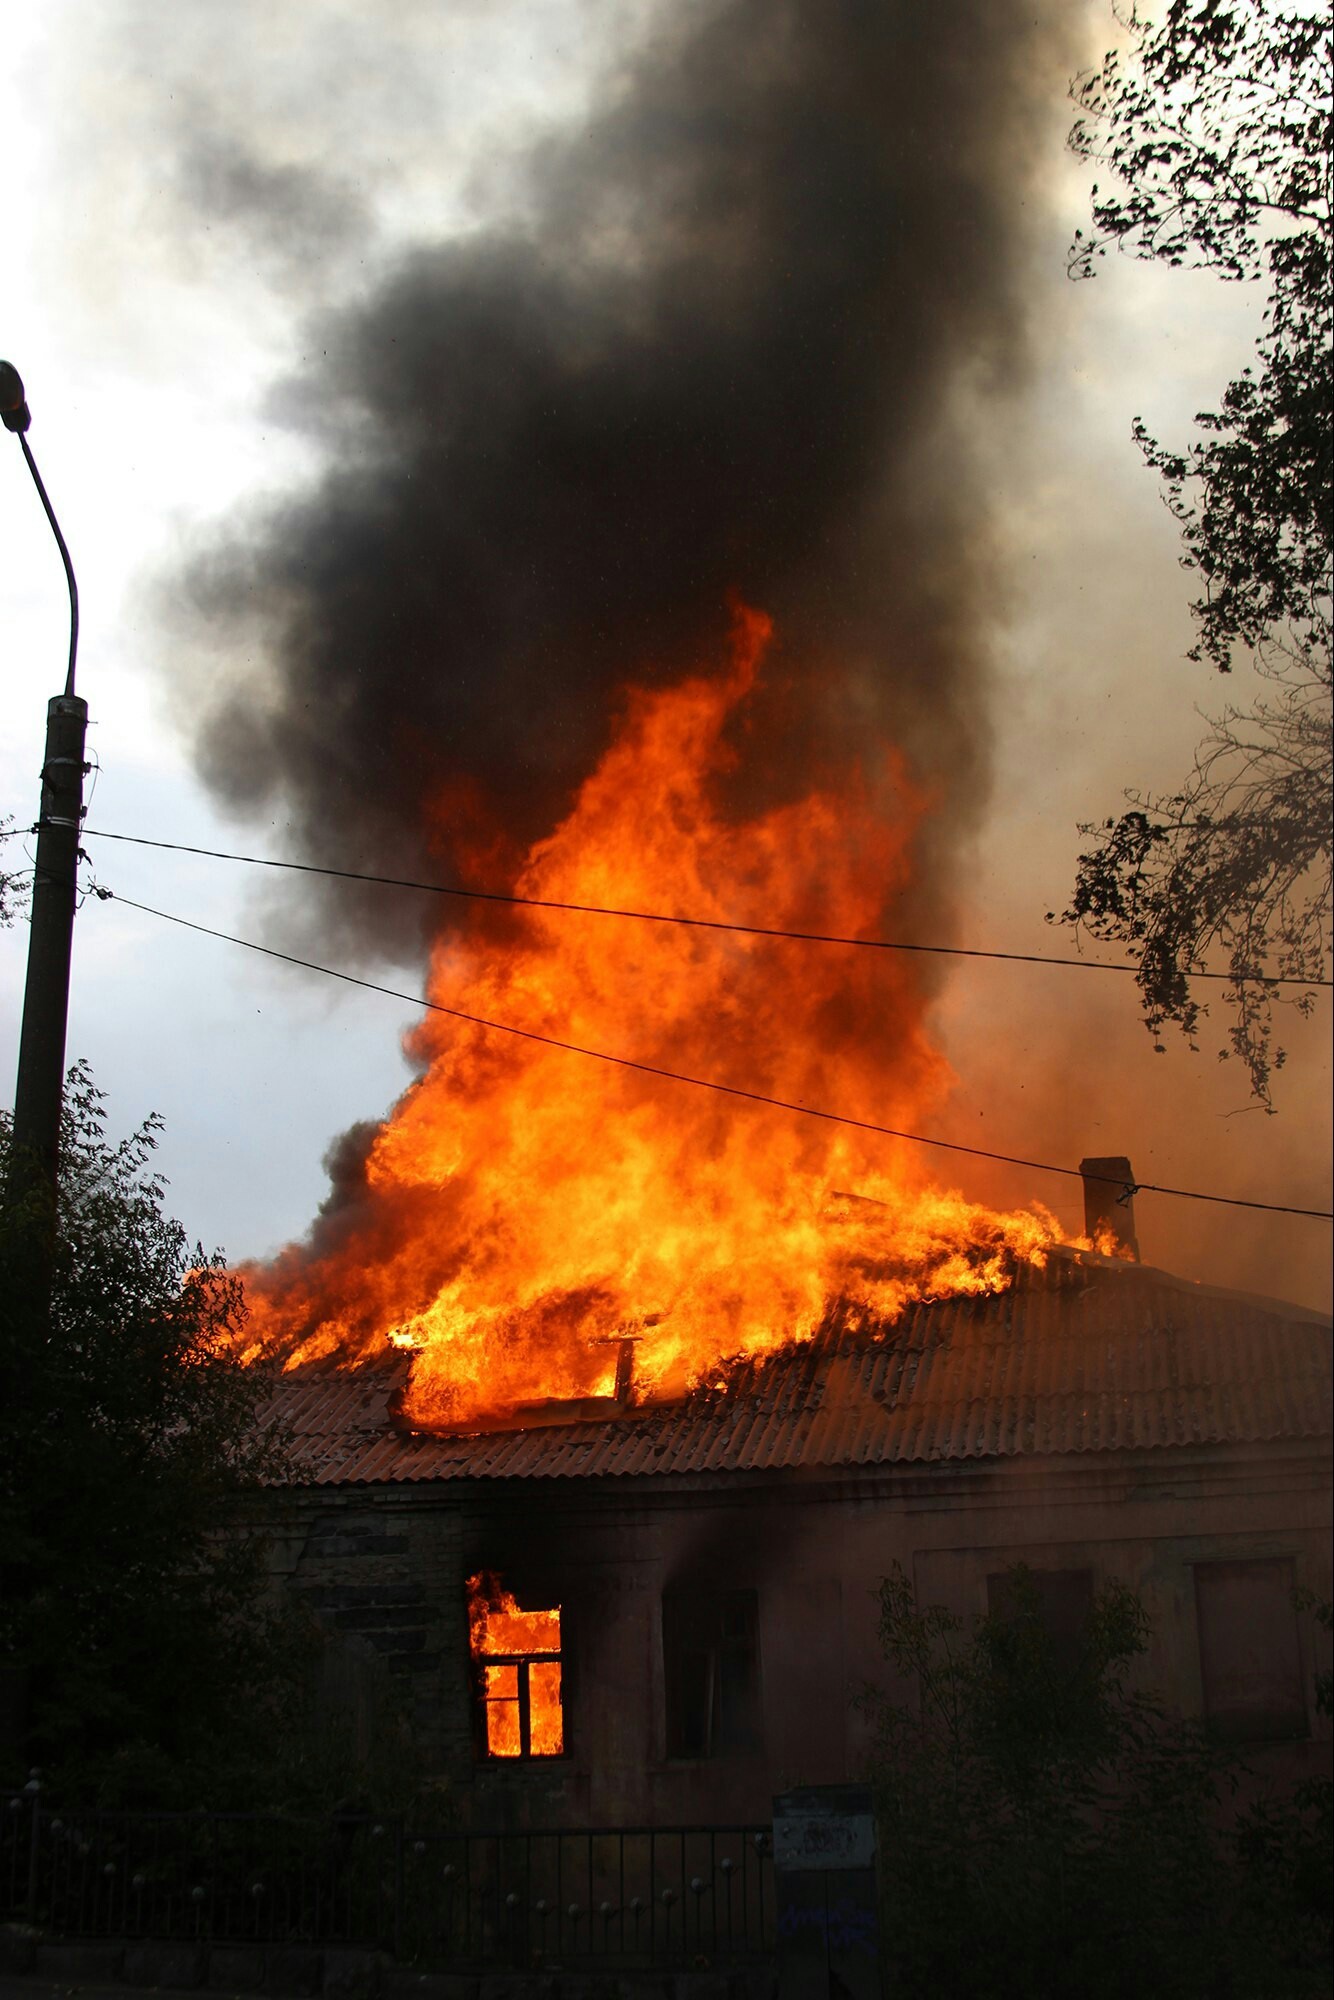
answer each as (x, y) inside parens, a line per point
(1109, 1204)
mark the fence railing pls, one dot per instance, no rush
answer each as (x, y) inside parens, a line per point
(624, 1895)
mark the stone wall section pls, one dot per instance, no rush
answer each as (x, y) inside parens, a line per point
(381, 1569)
(384, 1570)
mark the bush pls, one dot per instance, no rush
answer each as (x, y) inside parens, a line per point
(1048, 1830)
(138, 1639)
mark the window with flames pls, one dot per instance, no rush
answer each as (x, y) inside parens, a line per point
(516, 1658)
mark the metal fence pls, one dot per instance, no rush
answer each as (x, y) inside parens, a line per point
(624, 1896)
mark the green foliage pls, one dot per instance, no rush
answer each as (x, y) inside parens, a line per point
(141, 1639)
(1047, 1830)
(1234, 865)
(146, 1659)
(1217, 128)
(1287, 1845)
(13, 889)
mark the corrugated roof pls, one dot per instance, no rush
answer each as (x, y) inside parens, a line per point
(1086, 1355)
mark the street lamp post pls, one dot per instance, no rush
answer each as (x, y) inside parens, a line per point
(41, 1073)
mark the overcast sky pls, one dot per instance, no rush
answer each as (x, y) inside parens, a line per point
(187, 190)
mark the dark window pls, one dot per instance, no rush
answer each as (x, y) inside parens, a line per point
(1250, 1656)
(711, 1657)
(1061, 1599)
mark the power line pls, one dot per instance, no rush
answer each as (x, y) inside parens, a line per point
(699, 1082)
(656, 916)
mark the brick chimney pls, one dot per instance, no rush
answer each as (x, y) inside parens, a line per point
(1109, 1205)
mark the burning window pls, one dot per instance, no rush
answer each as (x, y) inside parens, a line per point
(1250, 1652)
(516, 1658)
(711, 1657)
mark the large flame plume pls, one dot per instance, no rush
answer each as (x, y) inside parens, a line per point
(530, 1217)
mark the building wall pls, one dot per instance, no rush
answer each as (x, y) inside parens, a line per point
(385, 1568)
(381, 1571)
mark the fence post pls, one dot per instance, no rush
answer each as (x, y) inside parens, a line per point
(34, 1790)
(399, 1887)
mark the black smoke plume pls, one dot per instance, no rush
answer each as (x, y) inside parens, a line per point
(714, 348)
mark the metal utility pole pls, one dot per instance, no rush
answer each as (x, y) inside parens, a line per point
(41, 1074)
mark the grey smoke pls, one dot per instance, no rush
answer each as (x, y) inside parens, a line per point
(287, 213)
(712, 349)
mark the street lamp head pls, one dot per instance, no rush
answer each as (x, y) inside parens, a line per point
(14, 411)
(16, 416)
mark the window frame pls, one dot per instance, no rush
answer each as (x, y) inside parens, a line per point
(1068, 1650)
(526, 1754)
(526, 1595)
(693, 1625)
(1231, 1724)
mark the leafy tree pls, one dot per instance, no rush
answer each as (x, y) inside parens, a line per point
(138, 1638)
(1216, 129)
(12, 887)
(1048, 1830)
(1287, 1845)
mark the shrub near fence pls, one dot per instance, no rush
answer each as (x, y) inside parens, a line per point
(616, 1896)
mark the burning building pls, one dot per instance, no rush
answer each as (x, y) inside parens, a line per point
(643, 608)
(657, 1612)
(617, 1394)
(622, 1137)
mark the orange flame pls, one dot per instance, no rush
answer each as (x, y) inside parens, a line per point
(529, 1211)
(518, 1681)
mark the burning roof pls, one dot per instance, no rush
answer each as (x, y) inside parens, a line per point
(723, 351)
(525, 1208)
(1087, 1354)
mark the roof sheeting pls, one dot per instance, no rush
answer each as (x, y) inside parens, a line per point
(1087, 1354)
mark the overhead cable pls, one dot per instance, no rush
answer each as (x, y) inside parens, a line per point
(699, 1082)
(660, 916)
